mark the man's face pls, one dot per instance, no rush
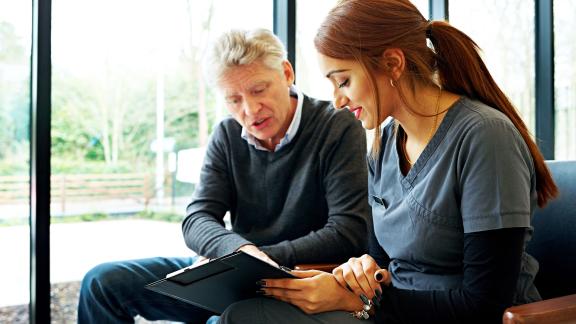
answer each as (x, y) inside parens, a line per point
(259, 99)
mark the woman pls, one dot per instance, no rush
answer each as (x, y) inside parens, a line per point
(454, 180)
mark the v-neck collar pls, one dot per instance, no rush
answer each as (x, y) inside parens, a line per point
(408, 180)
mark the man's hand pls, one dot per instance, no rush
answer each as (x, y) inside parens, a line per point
(200, 261)
(256, 252)
(314, 292)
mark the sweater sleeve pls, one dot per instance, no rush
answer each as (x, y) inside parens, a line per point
(345, 182)
(491, 267)
(203, 227)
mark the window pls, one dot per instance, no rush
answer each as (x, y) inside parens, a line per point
(565, 79)
(504, 30)
(15, 42)
(128, 96)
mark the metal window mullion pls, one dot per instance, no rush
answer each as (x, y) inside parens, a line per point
(285, 26)
(40, 114)
(438, 9)
(544, 28)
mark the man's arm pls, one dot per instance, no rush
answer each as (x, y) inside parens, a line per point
(343, 161)
(203, 227)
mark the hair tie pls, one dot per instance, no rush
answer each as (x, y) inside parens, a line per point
(429, 30)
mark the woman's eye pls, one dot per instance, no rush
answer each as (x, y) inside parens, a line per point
(343, 84)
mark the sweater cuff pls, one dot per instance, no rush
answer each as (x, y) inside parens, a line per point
(282, 253)
(232, 243)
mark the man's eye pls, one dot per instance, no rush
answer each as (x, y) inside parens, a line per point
(233, 101)
(343, 84)
(259, 90)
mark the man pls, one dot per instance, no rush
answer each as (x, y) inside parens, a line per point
(290, 170)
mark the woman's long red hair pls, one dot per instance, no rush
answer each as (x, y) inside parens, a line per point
(364, 29)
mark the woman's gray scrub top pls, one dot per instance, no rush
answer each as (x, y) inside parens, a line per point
(476, 174)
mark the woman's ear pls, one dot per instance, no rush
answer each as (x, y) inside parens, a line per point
(393, 62)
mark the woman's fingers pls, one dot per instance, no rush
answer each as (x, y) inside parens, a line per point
(357, 275)
(362, 279)
(383, 276)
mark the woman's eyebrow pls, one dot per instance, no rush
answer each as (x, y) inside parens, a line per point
(335, 71)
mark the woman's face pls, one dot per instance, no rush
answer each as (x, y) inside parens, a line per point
(353, 90)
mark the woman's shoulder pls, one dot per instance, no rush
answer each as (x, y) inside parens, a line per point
(474, 112)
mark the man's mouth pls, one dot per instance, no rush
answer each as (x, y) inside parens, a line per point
(357, 111)
(260, 123)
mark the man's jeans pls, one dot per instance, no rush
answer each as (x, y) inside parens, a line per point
(114, 293)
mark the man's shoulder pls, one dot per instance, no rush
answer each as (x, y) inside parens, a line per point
(323, 111)
(226, 127)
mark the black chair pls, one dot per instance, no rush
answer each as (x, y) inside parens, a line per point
(554, 246)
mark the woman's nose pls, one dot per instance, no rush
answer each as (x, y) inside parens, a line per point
(340, 101)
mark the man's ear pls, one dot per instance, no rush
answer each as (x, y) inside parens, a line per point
(393, 62)
(288, 72)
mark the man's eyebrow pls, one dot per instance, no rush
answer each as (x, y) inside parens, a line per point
(335, 71)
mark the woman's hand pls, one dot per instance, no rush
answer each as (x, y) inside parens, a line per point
(315, 292)
(362, 275)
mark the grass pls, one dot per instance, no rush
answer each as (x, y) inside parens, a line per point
(94, 217)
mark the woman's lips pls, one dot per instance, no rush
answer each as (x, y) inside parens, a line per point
(357, 111)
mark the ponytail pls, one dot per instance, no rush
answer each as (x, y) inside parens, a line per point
(461, 70)
(362, 30)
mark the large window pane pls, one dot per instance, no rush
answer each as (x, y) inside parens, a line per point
(504, 30)
(15, 41)
(309, 16)
(565, 79)
(131, 115)
(15, 31)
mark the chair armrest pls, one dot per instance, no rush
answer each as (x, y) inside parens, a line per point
(550, 311)
(326, 267)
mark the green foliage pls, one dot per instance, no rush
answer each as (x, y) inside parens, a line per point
(94, 217)
(161, 216)
(14, 90)
(12, 49)
(69, 166)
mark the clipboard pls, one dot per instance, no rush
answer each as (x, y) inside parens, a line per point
(219, 283)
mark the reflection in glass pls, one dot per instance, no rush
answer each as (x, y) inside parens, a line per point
(15, 42)
(507, 41)
(565, 79)
(131, 114)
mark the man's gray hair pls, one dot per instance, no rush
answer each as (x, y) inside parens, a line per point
(242, 47)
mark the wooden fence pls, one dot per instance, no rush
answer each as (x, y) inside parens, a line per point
(80, 187)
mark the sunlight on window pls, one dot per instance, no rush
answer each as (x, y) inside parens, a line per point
(565, 79)
(504, 30)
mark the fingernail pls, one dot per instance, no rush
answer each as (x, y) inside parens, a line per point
(378, 293)
(364, 299)
(285, 268)
(261, 283)
(376, 301)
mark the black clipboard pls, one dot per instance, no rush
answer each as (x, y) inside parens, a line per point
(219, 283)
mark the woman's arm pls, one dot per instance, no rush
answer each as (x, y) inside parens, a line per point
(491, 266)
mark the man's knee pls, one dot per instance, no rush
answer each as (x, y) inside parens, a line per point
(102, 276)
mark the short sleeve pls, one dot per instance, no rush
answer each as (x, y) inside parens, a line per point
(495, 171)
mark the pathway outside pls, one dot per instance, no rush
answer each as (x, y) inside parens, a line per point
(75, 248)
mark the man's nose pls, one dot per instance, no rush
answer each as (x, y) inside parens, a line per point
(251, 107)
